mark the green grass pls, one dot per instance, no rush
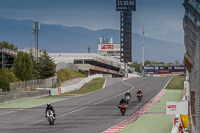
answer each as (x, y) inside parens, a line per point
(93, 85)
(29, 103)
(62, 95)
(177, 83)
(66, 74)
(155, 120)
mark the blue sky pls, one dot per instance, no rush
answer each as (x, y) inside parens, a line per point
(161, 19)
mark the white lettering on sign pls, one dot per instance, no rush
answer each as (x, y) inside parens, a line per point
(107, 46)
(179, 68)
(149, 67)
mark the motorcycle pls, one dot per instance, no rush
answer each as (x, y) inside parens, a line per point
(139, 96)
(50, 117)
(123, 108)
(128, 97)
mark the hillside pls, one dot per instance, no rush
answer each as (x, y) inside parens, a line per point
(67, 74)
(58, 38)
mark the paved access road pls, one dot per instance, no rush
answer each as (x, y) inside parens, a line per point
(91, 113)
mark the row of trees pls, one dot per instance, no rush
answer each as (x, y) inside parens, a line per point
(5, 44)
(138, 66)
(26, 67)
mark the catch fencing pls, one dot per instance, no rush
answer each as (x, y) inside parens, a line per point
(31, 85)
(64, 65)
(8, 96)
(192, 57)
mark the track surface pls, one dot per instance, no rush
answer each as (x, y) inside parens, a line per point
(91, 113)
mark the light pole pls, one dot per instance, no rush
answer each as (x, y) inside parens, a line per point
(143, 52)
(36, 28)
(2, 55)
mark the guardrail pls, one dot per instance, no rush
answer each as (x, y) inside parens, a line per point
(7, 96)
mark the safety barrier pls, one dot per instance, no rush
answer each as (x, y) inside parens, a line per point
(52, 91)
(79, 85)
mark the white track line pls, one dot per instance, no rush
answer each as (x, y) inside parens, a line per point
(132, 87)
(105, 83)
(7, 113)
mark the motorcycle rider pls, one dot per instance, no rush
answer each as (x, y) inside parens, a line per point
(122, 101)
(128, 93)
(49, 107)
(139, 91)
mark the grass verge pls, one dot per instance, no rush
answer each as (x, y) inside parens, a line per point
(66, 74)
(155, 119)
(29, 103)
(62, 95)
(177, 83)
(93, 85)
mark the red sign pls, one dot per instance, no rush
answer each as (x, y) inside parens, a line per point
(171, 106)
(176, 121)
(107, 46)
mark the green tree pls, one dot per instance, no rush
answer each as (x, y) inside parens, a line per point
(177, 62)
(5, 78)
(47, 66)
(137, 66)
(36, 66)
(147, 62)
(23, 66)
(5, 44)
(170, 64)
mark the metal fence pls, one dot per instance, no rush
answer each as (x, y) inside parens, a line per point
(64, 65)
(8, 96)
(31, 85)
(192, 42)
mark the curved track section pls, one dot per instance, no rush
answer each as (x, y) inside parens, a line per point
(93, 113)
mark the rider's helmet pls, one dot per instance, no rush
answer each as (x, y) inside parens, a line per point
(139, 90)
(48, 104)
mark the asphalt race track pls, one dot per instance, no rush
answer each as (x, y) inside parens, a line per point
(91, 113)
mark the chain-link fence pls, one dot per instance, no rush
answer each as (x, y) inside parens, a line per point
(8, 96)
(64, 65)
(31, 85)
(192, 59)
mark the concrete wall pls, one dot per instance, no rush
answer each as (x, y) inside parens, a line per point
(79, 85)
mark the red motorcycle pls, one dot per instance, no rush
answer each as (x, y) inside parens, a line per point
(139, 95)
(123, 108)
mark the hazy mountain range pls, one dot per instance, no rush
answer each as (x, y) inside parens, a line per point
(58, 38)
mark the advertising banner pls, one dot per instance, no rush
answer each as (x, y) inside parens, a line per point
(178, 68)
(148, 67)
(107, 46)
(174, 108)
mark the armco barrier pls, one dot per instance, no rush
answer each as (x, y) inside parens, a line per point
(52, 91)
(80, 84)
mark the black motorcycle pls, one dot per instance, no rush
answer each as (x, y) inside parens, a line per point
(50, 117)
(128, 97)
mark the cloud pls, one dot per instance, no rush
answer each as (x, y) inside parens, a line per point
(174, 24)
